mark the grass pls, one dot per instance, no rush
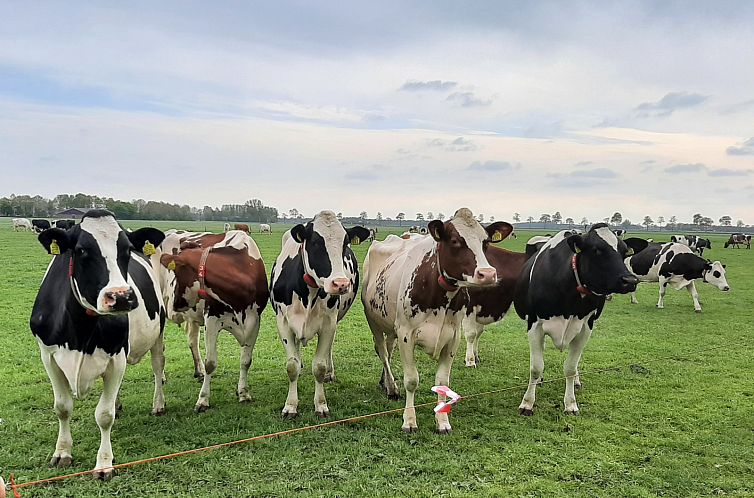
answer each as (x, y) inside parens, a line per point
(682, 426)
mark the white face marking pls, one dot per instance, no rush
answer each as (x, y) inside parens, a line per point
(608, 236)
(327, 225)
(105, 231)
(720, 282)
(474, 234)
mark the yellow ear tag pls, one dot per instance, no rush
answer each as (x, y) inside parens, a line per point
(355, 241)
(578, 250)
(54, 247)
(148, 249)
(171, 265)
(497, 237)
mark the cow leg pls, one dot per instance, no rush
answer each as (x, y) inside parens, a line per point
(293, 366)
(663, 289)
(442, 378)
(536, 367)
(383, 347)
(63, 408)
(247, 342)
(211, 332)
(330, 375)
(320, 362)
(691, 287)
(472, 330)
(410, 379)
(571, 369)
(157, 355)
(192, 334)
(633, 298)
(105, 415)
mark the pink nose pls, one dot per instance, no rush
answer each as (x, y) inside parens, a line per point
(340, 286)
(486, 275)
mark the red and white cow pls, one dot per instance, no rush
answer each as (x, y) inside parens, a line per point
(414, 293)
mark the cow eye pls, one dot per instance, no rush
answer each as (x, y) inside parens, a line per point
(82, 252)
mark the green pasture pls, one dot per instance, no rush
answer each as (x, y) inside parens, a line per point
(673, 415)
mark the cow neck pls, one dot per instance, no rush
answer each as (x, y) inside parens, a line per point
(308, 279)
(88, 308)
(447, 283)
(581, 288)
(202, 271)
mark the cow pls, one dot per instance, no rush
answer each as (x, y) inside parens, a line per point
(413, 229)
(415, 294)
(372, 235)
(412, 235)
(40, 225)
(65, 224)
(265, 228)
(98, 308)
(313, 284)
(695, 243)
(674, 264)
(735, 240)
(218, 280)
(423, 231)
(619, 232)
(561, 293)
(242, 227)
(22, 224)
(226, 227)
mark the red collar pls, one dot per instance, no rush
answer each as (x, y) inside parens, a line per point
(202, 271)
(88, 311)
(447, 286)
(580, 288)
(310, 281)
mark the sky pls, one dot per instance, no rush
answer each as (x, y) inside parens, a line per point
(587, 108)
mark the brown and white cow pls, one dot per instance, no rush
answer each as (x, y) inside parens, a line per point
(739, 239)
(414, 293)
(217, 280)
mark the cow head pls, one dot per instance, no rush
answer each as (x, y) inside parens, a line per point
(323, 248)
(600, 261)
(461, 245)
(714, 273)
(100, 251)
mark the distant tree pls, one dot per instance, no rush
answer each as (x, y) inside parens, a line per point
(379, 216)
(557, 218)
(584, 220)
(569, 221)
(516, 217)
(480, 218)
(647, 222)
(616, 218)
(339, 216)
(492, 219)
(544, 219)
(626, 223)
(430, 215)
(400, 217)
(740, 223)
(440, 216)
(697, 219)
(660, 220)
(293, 213)
(672, 221)
(363, 215)
(726, 221)
(419, 217)
(706, 221)
(530, 219)
(606, 220)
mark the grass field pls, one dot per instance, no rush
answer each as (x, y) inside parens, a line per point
(678, 422)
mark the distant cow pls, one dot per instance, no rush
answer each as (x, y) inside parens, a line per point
(620, 232)
(65, 224)
(372, 234)
(218, 280)
(22, 224)
(313, 284)
(674, 264)
(695, 243)
(98, 307)
(242, 227)
(561, 293)
(40, 225)
(226, 227)
(738, 239)
(265, 228)
(415, 294)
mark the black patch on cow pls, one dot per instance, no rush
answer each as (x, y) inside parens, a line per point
(716, 274)
(40, 225)
(688, 265)
(642, 262)
(143, 281)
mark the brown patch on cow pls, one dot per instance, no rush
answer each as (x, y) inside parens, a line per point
(495, 301)
(456, 259)
(241, 226)
(425, 294)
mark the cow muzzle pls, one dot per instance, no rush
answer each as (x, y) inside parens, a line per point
(484, 276)
(338, 286)
(628, 283)
(119, 300)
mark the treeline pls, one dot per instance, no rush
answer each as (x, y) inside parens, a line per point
(39, 207)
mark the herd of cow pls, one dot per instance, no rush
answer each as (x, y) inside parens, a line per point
(38, 225)
(108, 292)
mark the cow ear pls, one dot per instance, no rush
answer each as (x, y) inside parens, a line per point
(357, 234)
(169, 261)
(299, 233)
(55, 240)
(436, 229)
(575, 242)
(499, 230)
(724, 266)
(145, 240)
(635, 244)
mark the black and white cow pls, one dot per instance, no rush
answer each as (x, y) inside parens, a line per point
(619, 232)
(695, 243)
(65, 224)
(40, 225)
(561, 293)
(313, 284)
(97, 309)
(676, 265)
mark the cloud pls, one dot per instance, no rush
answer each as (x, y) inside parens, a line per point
(738, 107)
(584, 163)
(432, 85)
(459, 144)
(679, 169)
(669, 103)
(596, 173)
(468, 99)
(728, 172)
(490, 166)
(745, 149)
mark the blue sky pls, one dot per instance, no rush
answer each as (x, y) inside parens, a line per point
(582, 107)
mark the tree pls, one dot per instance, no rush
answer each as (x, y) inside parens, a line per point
(706, 221)
(400, 217)
(430, 215)
(293, 213)
(584, 220)
(440, 216)
(379, 216)
(606, 220)
(740, 223)
(419, 217)
(516, 217)
(544, 219)
(726, 221)
(492, 219)
(672, 221)
(660, 220)
(697, 220)
(339, 216)
(647, 222)
(616, 218)
(626, 223)
(557, 218)
(569, 221)
(363, 215)
(480, 218)
(530, 219)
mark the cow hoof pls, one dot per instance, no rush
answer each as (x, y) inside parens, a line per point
(199, 376)
(104, 474)
(61, 461)
(244, 396)
(470, 364)
(526, 412)
(697, 311)
(571, 413)
(445, 431)
(322, 413)
(409, 429)
(660, 307)
(289, 415)
(158, 412)
(394, 396)
(201, 408)
(577, 386)
(329, 378)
